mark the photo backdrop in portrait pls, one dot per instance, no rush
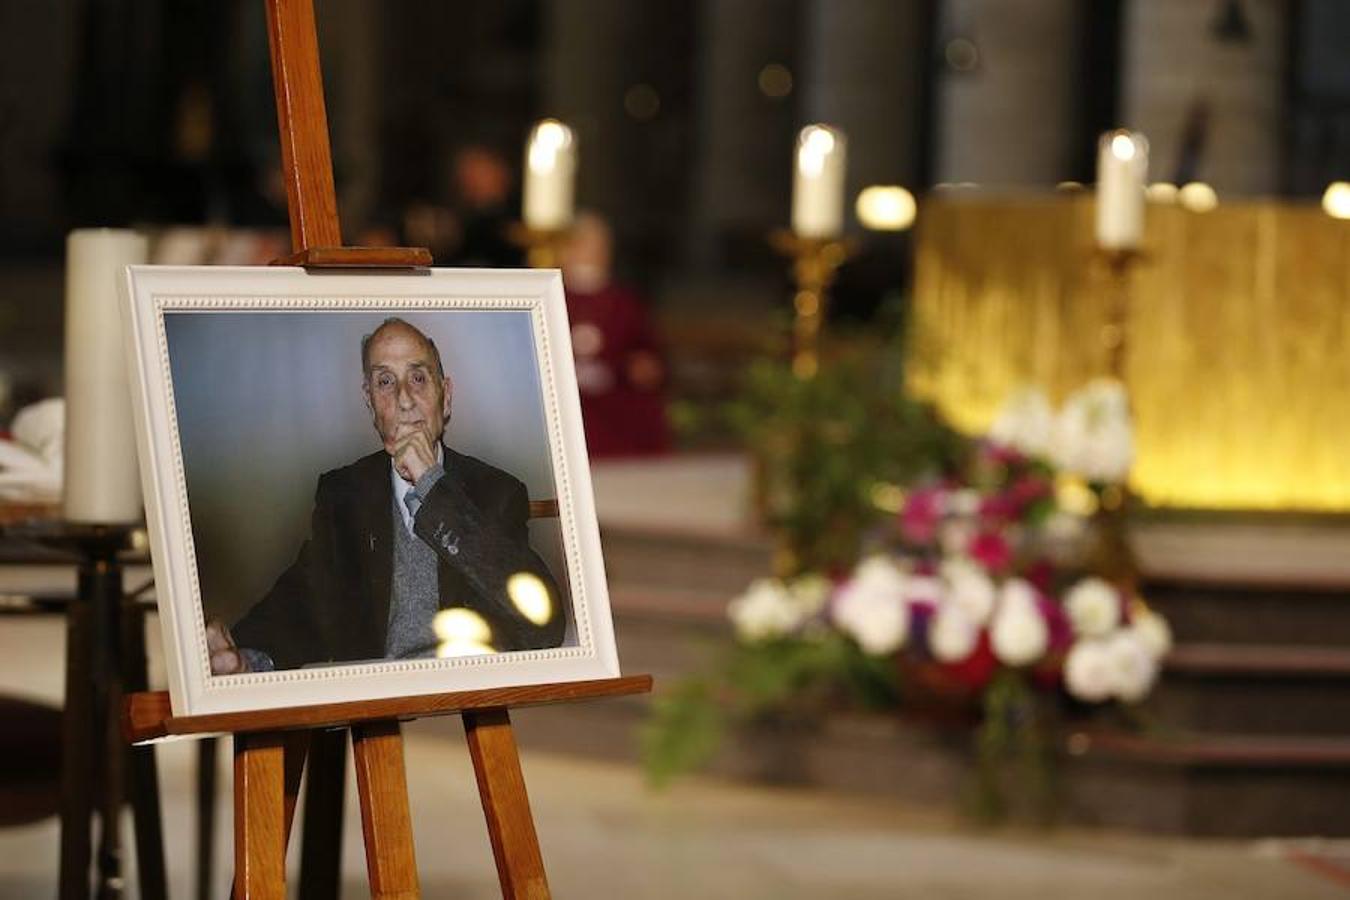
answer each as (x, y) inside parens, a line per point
(268, 401)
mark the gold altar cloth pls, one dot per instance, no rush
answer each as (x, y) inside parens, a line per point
(1238, 353)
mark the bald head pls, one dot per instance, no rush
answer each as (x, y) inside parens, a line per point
(395, 323)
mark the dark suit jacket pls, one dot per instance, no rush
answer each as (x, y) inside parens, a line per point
(332, 604)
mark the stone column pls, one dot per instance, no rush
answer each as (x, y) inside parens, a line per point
(743, 160)
(864, 74)
(1212, 109)
(585, 48)
(1011, 120)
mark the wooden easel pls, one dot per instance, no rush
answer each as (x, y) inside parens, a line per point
(272, 746)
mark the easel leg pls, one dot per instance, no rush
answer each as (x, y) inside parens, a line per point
(259, 817)
(144, 774)
(501, 786)
(382, 784)
(321, 842)
(77, 756)
(206, 816)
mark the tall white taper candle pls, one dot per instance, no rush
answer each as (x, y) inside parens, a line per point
(102, 482)
(818, 183)
(550, 175)
(1122, 170)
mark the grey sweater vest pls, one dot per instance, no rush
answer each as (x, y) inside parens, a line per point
(415, 596)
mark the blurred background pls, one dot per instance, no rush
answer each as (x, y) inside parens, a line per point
(1007, 327)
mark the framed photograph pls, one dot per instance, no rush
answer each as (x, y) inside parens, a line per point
(363, 485)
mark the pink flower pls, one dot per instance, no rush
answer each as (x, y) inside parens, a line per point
(990, 549)
(921, 515)
(1027, 490)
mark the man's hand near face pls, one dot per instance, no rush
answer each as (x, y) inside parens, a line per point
(413, 452)
(225, 656)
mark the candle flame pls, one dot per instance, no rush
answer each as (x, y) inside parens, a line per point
(815, 143)
(548, 138)
(1123, 147)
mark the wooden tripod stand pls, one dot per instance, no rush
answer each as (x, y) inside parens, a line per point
(272, 746)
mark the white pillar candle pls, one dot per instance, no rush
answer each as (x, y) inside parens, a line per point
(1122, 170)
(818, 183)
(102, 482)
(550, 176)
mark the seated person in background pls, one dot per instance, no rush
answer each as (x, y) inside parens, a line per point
(399, 539)
(620, 374)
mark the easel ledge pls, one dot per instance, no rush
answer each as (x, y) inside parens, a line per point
(148, 717)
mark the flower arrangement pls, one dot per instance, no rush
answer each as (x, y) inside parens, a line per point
(981, 590)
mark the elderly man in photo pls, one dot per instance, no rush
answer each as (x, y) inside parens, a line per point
(414, 551)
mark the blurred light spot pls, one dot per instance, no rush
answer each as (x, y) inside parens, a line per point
(886, 208)
(1123, 147)
(462, 632)
(1162, 192)
(548, 138)
(1075, 497)
(888, 497)
(642, 102)
(530, 597)
(1198, 197)
(962, 54)
(587, 339)
(1069, 186)
(1336, 200)
(775, 80)
(807, 303)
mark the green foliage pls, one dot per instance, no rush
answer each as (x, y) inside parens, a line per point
(796, 679)
(1014, 752)
(684, 731)
(829, 447)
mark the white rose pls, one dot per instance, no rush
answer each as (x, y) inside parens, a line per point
(766, 610)
(971, 588)
(1018, 635)
(1153, 632)
(1088, 673)
(871, 607)
(952, 636)
(1133, 669)
(924, 589)
(809, 594)
(1025, 422)
(955, 536)
(964, 502)
(1093, 606)
(1093, 434)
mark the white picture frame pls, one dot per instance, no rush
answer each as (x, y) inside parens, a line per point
(234, 397)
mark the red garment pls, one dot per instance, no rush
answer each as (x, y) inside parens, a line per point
(611, 338)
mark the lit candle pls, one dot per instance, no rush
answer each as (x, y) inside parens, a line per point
(550, 174)
(102, 482)
(1122, 169)
(818, 185)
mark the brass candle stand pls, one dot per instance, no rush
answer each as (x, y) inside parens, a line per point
(543, 246)
(1119, 264)
(1116, 557)
(815, 262)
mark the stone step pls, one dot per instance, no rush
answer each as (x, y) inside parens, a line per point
(1218, 785)
(1215, 785)
(1255, 689)
(1203, 612)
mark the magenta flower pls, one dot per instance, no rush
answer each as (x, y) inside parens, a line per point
(991, 550)
(921, 515)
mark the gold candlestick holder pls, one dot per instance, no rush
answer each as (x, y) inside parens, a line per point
(815, 262)
(1116, 560)
(1119, 264)
(543, 246)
